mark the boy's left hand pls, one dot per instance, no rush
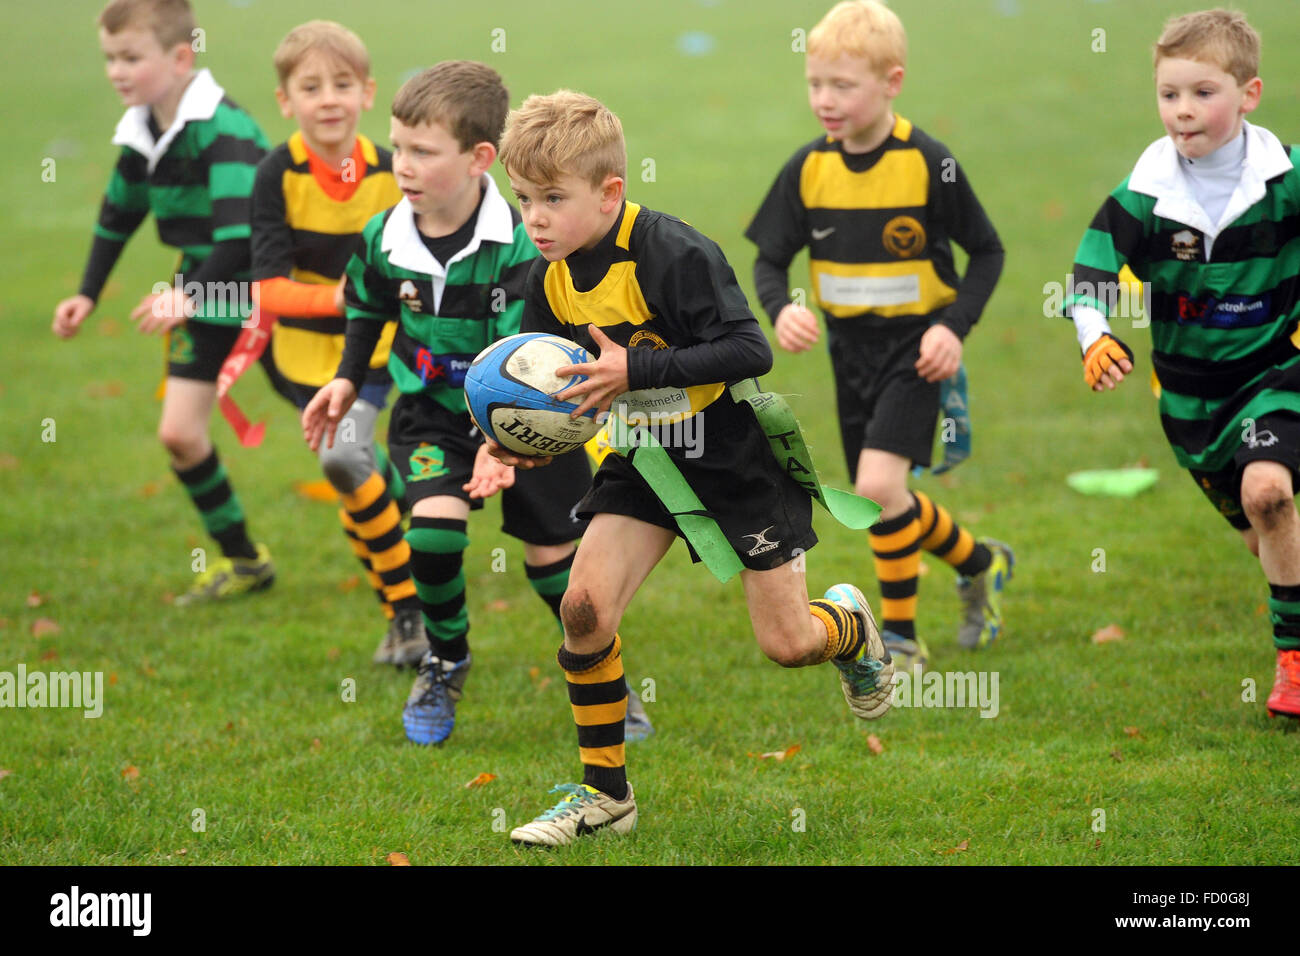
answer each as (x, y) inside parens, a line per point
(490, 475)
(606, 377)
(940, 354)
(162, 312)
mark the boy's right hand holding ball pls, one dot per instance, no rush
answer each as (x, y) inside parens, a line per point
(796, 328)
(1106, 363)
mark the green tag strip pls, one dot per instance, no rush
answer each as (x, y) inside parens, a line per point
(777, 420)
(786, 441)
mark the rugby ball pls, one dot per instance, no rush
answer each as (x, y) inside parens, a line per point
(510, 390)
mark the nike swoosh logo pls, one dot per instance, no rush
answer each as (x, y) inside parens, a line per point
(822, 233)
(584, 827)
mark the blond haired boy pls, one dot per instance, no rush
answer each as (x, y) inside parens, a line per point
(312, 198)
(879, 203)
(1208, 220)
(189, 155)
(661, 306)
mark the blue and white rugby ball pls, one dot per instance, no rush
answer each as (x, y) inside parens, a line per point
(510, 389)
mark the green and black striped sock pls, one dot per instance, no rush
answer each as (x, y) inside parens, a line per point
(1284, 609)
(223, 517)
(550, 581)
(437, 551)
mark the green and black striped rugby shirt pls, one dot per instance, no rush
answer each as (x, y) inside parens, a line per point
(196, 177)
(1224, 297)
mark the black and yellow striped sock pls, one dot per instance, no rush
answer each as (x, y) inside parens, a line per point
(363, 555)
(598, 694)
(1284, 609)
(947, 540)
(377, 521)
(844, 635)
(437, 550)
(219, 508)
(550, 581)
(896, 544)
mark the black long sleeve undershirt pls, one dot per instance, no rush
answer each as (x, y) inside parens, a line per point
(358, 346)
(741, 352)
(771, 283)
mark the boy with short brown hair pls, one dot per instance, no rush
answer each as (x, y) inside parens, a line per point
(189, 155)
(1207, 220)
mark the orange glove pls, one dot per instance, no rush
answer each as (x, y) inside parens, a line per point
(1101, 355)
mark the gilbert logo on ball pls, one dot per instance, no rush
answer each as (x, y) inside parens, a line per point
(510, 390)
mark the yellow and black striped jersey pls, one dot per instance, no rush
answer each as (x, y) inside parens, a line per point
(657, 287)
(307, 223)
(879, 228)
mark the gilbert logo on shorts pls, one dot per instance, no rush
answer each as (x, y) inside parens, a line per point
(761, 544)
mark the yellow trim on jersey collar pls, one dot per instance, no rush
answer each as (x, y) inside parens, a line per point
(630, 210)
(298, 149)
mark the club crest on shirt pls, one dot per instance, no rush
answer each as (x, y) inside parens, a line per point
(647, 338)
(1186, 245)
(904, 237)
(410, 296)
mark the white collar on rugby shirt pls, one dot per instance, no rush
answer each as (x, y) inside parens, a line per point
(1158, 174)
(406, 250)
(198, 102)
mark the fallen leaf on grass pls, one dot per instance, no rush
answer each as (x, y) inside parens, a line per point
(1132, 732)
(44, 626)
(168, 597)
(333, 653)
(778, 755)
(1261, 610)
(398, 859)
(132, 772)
(1097, 845)
(961, 847)
(150, 488)
(874, 744)
(4, 773)
(320, 490)
(316, 745)
(112, 679)
(534, 673)
(182, 851)
(544, 683)
(480, 780)
(35, 599)
(499, 605)
(50, 655)
(1116, 756)
(112, 389)
(349, 584)
(1111, 632)
(8, 462)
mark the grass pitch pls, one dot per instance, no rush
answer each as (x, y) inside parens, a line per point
(225, 736)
